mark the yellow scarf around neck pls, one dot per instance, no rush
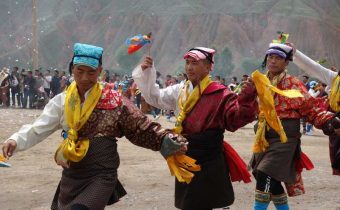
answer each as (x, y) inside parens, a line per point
(265, 91)
(190, 101)
(74, 149)
(334, 96)
(182, 165)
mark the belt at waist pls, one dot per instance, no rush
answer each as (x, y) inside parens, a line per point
(101, 158)
(290, 126)
(206, 145)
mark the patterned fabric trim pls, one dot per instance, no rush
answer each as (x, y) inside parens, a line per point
(297, 188)
(262, 197)
(280, 199)
(110, 98)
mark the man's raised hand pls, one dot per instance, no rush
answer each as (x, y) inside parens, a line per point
(147, 63)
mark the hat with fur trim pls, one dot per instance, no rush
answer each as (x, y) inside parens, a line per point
(281, 50)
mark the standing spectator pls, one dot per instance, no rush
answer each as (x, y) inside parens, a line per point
(125, 86)
(14, 84)
(36, 73)
(238, 88)
(106, 76)
(159, 79)
(135, 93)
(47, 82)
(39, 81)
(40, 94)
(232, 86)
(305, 81)
(138, 97)
(168, 80)
(234, 81)
(113, 78)
(29, 91)
(63, 81)
(223, 82)
(116, 82)
(217, 79)
(313, 90)
(4, 87)
(322, 89)
(160, 83)
(181, 78)
(55, 84)
(70, 80)
(245, 77)
(21, 80)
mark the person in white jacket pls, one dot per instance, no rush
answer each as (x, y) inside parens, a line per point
(313, 68)
(327, 76)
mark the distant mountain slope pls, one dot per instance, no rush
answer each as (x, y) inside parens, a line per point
(245, 27)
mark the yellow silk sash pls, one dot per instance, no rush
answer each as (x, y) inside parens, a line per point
(190, 101)
(265, 92)
(334, 96)
(182, 165)
(74, 149)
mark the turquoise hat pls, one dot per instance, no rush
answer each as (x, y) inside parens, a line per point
(87, 55)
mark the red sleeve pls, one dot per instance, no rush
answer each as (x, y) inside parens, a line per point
(310, 106)
(239, 109)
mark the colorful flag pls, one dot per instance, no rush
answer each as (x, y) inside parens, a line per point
(282, 39)
(137, 42)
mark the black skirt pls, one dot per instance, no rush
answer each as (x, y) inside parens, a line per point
(278, 161)
(92, 182)
(211, 187)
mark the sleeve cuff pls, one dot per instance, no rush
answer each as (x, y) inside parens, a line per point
(169, 146)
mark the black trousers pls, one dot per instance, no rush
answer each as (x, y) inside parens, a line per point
(265, 183)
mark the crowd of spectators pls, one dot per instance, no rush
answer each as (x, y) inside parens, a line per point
(33, 89)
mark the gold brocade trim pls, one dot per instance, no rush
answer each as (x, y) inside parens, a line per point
(267, 116)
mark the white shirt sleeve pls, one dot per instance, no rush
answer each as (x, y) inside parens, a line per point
(313, 93)
(50, 120)
(166, 98)
(314, 69)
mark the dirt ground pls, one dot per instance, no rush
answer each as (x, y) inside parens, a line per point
(31, 181)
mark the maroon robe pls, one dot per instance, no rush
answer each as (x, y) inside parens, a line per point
(217, 109)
